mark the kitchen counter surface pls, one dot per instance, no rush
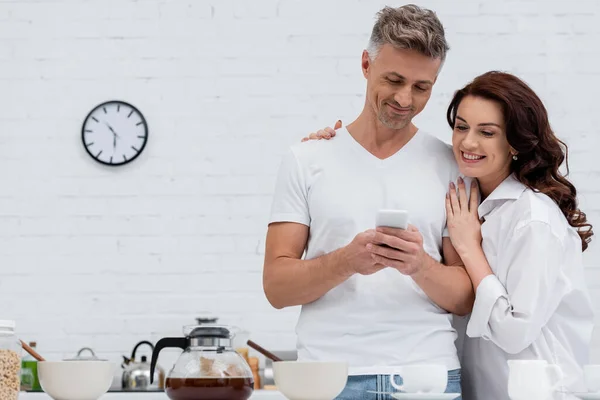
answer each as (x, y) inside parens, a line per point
(257, 395)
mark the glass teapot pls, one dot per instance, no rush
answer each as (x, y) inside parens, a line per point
(208, 368)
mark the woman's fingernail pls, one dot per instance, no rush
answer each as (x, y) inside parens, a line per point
(460, 179)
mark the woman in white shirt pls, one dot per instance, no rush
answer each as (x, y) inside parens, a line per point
(522, 245)
(520, 236)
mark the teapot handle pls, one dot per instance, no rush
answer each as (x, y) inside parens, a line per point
(181, 343)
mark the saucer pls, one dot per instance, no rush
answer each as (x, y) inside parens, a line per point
(588, 396)
(423, 396)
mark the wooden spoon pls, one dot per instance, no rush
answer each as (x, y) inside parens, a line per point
(31, 351)
(264, 352)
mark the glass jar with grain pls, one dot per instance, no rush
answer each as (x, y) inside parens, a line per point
(10, 361)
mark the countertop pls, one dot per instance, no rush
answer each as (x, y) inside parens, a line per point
(257, 395)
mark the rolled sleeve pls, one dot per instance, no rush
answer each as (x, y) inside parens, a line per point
(512, 315)
(489, 291)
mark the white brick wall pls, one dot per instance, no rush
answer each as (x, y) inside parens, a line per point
(107, 257)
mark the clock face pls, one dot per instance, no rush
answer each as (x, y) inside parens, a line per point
(114, 133)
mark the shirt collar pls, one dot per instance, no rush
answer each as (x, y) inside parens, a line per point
(509, 189)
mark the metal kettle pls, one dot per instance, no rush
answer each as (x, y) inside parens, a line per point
(136, 375)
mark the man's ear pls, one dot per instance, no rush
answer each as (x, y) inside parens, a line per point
(365, 63)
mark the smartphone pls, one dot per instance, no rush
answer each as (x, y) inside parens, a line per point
(392, 219)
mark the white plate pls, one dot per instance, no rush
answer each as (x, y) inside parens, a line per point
(588, 396)
(421, 396)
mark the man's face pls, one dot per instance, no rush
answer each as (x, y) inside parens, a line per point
(399, 84)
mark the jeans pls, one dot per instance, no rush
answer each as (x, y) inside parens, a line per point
(358, 386)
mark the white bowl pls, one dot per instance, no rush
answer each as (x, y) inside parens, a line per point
(306, 380)
(76, 380)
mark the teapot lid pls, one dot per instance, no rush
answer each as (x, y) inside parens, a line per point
(209, 331)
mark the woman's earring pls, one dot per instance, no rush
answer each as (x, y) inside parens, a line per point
(515, 157)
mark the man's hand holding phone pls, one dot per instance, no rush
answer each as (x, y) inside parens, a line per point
(396, 243)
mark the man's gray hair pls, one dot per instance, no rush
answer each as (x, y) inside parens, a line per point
(409, 27)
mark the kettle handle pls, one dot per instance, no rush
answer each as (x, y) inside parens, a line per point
(181, 343)
(138, 345)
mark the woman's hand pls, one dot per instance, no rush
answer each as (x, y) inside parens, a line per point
(462, 217)
(326, 133)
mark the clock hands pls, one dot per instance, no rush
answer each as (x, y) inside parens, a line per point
(115, 135)
(111, 129)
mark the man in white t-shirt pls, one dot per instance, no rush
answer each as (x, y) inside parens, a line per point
(377, 299)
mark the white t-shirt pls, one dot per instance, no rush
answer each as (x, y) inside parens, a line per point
(380, 321)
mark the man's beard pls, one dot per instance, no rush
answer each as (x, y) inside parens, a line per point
(390, 122)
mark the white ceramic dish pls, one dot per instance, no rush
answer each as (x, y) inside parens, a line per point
(420, 396)
(588, 396)
(298, 380)
(76, 380)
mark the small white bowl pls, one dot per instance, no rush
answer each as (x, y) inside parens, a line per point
(76, 380)
(306, 380)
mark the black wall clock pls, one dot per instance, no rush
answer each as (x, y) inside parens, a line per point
(114, 133)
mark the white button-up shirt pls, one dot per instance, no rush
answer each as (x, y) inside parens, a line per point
(536, 305)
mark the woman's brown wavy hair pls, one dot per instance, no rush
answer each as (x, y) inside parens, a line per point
(540, 152)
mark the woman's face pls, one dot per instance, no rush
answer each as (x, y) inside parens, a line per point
(479, 140)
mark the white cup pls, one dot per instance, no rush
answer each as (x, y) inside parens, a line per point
(591, 375)
(421, 379)
(532, 379)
